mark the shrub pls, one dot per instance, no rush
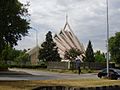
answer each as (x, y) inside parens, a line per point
(3, 67)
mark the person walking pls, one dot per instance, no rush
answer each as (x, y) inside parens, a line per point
(78, 61)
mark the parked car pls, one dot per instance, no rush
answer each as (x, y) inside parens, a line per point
(113, 73)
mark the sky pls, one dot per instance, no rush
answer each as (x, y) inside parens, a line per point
(87, 19)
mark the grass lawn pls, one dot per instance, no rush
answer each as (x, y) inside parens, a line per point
(28, 85)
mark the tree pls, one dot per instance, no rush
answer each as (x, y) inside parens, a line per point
(6, 54)
(72, 54)
(10, 54)
(22, 59)
(49, 51)
(114, 47)
(99, 57)
(89, 53)
(13, 22)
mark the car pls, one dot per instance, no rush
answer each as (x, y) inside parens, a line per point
(113, 73)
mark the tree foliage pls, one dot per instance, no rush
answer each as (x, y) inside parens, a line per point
(11, 55)
(114, 47)
(13, 22)
(22, 59)
(49, 50)
(72, 54)
(89, 53)
(100, 57)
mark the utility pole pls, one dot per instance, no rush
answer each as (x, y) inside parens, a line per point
(107, 39)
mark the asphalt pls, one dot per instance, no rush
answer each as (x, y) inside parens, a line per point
(27, 74)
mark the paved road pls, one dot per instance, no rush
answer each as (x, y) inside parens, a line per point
(27, 74)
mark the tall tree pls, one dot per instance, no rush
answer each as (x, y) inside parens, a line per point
(72, 54)
(89, 53)
(49, 50)
(114, 47)
(13, 22)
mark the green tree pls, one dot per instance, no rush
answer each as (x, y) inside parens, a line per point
(89, 53)
(6, 54)
(13, 22)
(22, 59)
(10, 54)
(72, 54)
(49, 50)
(114, 47)
(100, 57)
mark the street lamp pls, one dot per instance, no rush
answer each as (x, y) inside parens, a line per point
(107, 38)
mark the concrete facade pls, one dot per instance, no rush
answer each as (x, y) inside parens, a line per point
(66, 40)
(33, 55)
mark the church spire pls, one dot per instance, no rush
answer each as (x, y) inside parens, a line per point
(66, 18)
(67, 26)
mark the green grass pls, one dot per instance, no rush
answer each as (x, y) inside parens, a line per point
(83, 71)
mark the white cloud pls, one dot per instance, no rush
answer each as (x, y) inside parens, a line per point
(86, 17)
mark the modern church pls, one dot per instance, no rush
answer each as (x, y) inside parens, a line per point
(65, 40)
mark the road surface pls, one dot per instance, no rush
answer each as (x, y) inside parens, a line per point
(28, 74)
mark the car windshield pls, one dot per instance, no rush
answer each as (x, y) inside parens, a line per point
(111, 69)
(104, 71)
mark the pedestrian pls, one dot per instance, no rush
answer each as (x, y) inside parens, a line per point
(78, 61)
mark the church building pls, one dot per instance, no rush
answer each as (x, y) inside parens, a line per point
(64, 40)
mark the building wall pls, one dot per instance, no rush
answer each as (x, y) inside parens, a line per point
(33, 53)
(66, 40)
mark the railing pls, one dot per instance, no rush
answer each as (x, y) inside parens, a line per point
(72, 65)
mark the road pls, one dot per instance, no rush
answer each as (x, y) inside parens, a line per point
(27, 74)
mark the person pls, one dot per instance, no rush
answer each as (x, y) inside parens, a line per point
(78, 61)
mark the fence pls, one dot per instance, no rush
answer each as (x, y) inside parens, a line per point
(72, 65)
(65, 65)
(57, 65)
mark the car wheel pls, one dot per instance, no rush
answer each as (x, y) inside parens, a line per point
(116, 78)
(100, 76)
(113, 77)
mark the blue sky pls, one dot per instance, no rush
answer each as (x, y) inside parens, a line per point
(87, 19)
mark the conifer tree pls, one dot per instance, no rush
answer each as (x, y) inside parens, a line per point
(49, 50)
(89, 53)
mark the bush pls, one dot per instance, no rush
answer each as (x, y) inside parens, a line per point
(3, 67)
(29, 66)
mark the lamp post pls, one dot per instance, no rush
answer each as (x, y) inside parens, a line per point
(107, 38)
